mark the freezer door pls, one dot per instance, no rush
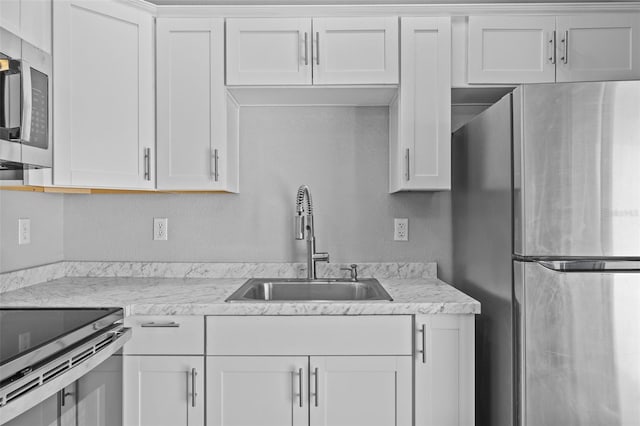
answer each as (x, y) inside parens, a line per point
(576, 169)
(577, 347)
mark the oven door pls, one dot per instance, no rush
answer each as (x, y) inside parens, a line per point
(94, 399)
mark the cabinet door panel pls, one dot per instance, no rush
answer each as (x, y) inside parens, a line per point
(444, 374)
(158, 391)
(265, 391)
(420, 118)
(360, 391)
(355, 51)
(10, 15)
(191, 104)
(104, 85)
(513, 49)
(35, 23)
(268, 51)
(99, 401)
(598, 47)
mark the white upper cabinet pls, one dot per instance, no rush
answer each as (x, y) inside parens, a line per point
(10, 15)
(598, 47)
(420, 117)
(355, 50)
(514, 49)
(29, 19)
(297, 51)
(542, 49)
(268, 51)
(104, 95)
(193, 153)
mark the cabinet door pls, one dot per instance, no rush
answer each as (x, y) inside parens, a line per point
(598, 47)
(104, 102)
(268, 51)
(99, 400)
(163, 390)
(191, 105)
(35, 23)
(43, 414)
(265, 391)
(511, 49)
(355, 51)
(444, 370)
(10, 15)
(420, 117)
(360, 390)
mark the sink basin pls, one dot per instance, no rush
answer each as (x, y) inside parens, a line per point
(302, 290)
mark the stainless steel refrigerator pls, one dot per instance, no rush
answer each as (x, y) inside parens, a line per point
(546, 235)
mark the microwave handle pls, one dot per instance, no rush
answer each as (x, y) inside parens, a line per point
(27, 94)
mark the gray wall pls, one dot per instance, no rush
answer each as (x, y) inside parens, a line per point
(340, 152)
(46, 214)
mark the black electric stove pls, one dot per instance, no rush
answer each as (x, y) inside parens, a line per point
(29, 336)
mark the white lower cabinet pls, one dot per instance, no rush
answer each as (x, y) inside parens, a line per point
(360, 391)
(360, 370)
(98, 401)
(163, 371)
(262, 390)
(315, 390)
(444, 370)
(165, 390)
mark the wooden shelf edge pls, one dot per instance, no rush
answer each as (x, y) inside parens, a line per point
(71, 190)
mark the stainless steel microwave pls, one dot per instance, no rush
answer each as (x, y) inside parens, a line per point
(25, 104)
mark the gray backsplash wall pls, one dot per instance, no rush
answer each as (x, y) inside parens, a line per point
(340, 152)
(46, 214)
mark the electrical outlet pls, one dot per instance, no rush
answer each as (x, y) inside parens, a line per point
(401, 229)
(24, 231)
(160, 228)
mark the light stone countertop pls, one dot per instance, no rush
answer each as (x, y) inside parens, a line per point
(206, 296)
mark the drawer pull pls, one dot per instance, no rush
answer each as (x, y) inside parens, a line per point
(152, 324)
(315, 395)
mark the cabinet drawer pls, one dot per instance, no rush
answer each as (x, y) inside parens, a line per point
(165, 335)
(309, 335)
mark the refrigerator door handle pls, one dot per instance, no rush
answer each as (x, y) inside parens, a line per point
(590, 265)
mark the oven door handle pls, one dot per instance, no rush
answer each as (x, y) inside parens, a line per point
(27, 104)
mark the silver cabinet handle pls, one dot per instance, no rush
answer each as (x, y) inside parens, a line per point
(423, 330)
(306, 48)
(317, 48)
(565, 47)
(300, 386)
(152, 324)
(408, 165)
(551, 48)
(214, 165)
(194, 373)
(63, 396)
(315, 395)
(147, 164)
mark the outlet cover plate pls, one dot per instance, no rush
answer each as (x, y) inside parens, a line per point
(160, 229)
(401, 229)
(24, 231)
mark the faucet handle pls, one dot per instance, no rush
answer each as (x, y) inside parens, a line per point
(354, 271)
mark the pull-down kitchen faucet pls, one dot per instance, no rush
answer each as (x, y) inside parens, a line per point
(304, 225)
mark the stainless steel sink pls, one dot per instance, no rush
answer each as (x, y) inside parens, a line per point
(305, 290)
